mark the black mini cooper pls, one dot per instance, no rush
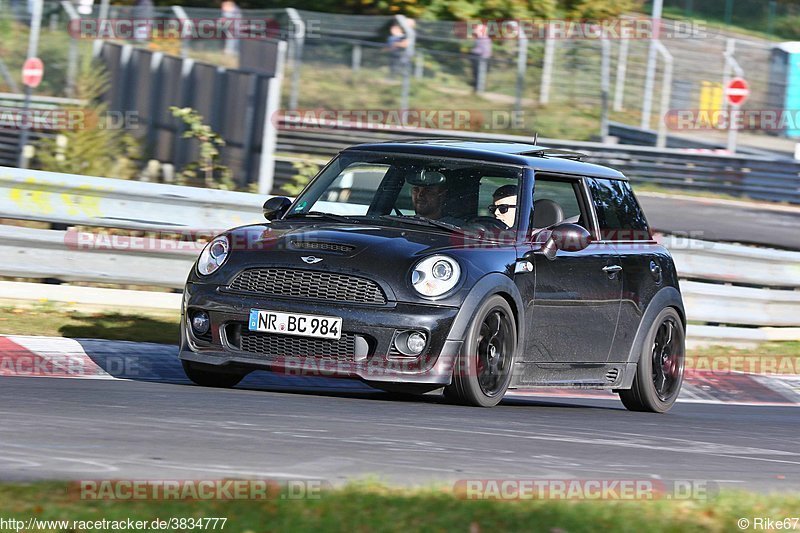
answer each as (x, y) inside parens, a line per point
(478, 267)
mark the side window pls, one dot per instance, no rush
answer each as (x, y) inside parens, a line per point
(554, 201)
(618, 213)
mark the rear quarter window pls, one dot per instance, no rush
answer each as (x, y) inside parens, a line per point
(618, 212)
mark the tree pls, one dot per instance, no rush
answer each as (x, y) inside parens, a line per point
(91, 143)
(600, 9)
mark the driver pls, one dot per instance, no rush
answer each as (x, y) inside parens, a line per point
(504, 206)
(428, 200)
(428, 193)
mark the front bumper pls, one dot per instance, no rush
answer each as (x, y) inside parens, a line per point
(374, 327)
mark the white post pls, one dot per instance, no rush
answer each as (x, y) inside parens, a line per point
(731, 65)
(72, 55)
(622, 69)
(605, 82)
(666, 93)
(297, 39)
(522, 65)
(33, 48)
(186, 23)
(547, 66)
(269, 139)
(650, 74)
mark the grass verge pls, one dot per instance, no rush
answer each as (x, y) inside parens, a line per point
(369, 507)
(48, 319)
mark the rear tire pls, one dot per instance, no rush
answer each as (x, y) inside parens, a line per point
(206, 376)
(659, 372)
(484, 367)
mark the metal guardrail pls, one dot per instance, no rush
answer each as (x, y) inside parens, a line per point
(709, 269)
(753, 176)
(104, 202)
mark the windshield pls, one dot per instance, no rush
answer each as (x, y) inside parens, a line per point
(435, 192)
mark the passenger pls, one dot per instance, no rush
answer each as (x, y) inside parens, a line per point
(504, 206)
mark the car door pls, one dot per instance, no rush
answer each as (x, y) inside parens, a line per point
(574, 312)
(622, 222)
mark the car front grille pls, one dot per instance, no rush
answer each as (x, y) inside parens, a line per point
(275, 346)
(308, 284)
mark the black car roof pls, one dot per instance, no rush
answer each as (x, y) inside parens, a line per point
(514, 153)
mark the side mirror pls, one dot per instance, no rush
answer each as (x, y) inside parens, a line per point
(276, 207)
(566, 237)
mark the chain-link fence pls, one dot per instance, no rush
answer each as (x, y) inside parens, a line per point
(339, 61)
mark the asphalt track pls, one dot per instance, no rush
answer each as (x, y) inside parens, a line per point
(711, 219)
(57, 428)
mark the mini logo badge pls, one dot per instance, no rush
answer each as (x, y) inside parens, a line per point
(311, 260)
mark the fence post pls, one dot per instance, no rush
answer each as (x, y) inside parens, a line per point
(266, 166)
(72, 55)
(666, 93)
(731, 65)
(605, 82)
(298, 39)
(483, 66)
(547, 66)
(355, 62)
(33, 46)
(650, 74)
(622, 69)
(419, 66)
(522, 64)
(181, 15)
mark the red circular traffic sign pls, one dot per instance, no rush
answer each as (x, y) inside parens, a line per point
(737, 91)
(32, 72)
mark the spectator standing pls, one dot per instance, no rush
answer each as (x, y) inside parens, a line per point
(396, 43)
(479, 56)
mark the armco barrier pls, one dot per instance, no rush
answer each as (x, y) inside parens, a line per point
(714, 274)
(748, 175)
(91, 201)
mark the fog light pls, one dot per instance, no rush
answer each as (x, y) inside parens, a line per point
(415, 343)
(200, 323)
(410, 343)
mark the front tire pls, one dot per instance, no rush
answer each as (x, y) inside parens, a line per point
(659, 372)
(484, 367)
(205, 376)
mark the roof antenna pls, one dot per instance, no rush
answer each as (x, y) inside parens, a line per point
(535, 137)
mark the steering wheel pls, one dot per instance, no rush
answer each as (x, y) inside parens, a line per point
(487, 223)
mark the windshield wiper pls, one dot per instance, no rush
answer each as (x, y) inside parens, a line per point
(423, 221)
(332, 216)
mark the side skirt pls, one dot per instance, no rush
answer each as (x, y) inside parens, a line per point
(573, 375)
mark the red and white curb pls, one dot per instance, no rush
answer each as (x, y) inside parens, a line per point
(59, 357)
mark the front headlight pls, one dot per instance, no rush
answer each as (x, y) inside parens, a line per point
(213, 255)
(435, 275)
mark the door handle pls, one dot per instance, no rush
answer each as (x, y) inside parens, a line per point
(612, 269)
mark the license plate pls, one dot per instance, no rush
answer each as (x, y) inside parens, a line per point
(320, 327)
